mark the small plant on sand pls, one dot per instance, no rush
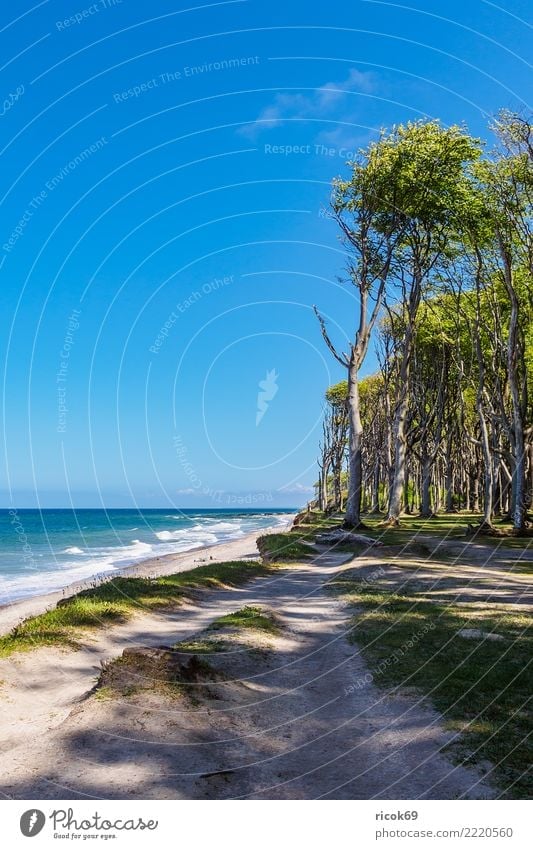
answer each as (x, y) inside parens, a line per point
(281, 548)
(248, 617)
(200, 645)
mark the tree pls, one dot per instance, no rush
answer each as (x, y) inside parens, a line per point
(435, 195)
(369, 227)
(337, 398)
(506, 253)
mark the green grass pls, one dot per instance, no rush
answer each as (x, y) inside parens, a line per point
(104, 693)
(313, 523)
(450, 526)
(117, 600)
(483, 688)
(277, 548)
(247, 617)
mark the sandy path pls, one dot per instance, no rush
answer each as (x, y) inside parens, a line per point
(290, 726)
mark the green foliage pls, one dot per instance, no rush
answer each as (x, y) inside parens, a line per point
(337, 394)
(415, 175)
(200, 645)
(251, 617)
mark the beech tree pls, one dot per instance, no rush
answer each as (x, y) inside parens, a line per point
(436, 196)
(507, 183)
(366, 208)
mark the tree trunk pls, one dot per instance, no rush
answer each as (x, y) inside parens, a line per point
(529, 492)
(375, 488)
(352, 517)
(513, 353)
(400, 457)
(450, 507)
(337, 488)
(519, 478)
(388, 446)
(487, 459)
(323, 490)
(425, 506)
(399, 437)
(475, 493)
(407, 505)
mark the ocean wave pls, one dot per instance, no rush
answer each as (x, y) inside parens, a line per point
(137, 545)
(166, 535)
(224, 526)
(181, 533)
(73, 550)
(187, 535)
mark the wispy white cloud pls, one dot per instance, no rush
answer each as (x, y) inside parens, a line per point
(320, 103)
(344, 138)
(297, 487)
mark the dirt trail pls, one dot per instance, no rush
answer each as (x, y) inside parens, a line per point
(288, 723)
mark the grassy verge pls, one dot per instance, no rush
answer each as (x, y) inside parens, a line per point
(448, 526)
(117, 600)
(314, 522)
(482, 687)
(201, 645)
(248, 617)
(275, 548)
(294, 544)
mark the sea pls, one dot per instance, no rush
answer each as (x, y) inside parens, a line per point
(46, 550)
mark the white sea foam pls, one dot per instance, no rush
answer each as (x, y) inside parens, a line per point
(224, 526)
(73, 550)
(164, 535)
(194, 535)
(139, 546)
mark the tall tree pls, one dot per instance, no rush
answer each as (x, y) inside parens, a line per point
(436, 194)
(506, 181)
(368, 213)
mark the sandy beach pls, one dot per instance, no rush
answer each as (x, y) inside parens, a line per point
(244, 548)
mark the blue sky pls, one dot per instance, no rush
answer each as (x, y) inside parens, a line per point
(165, 170)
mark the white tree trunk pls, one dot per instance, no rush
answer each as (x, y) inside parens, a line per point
(353, 503)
